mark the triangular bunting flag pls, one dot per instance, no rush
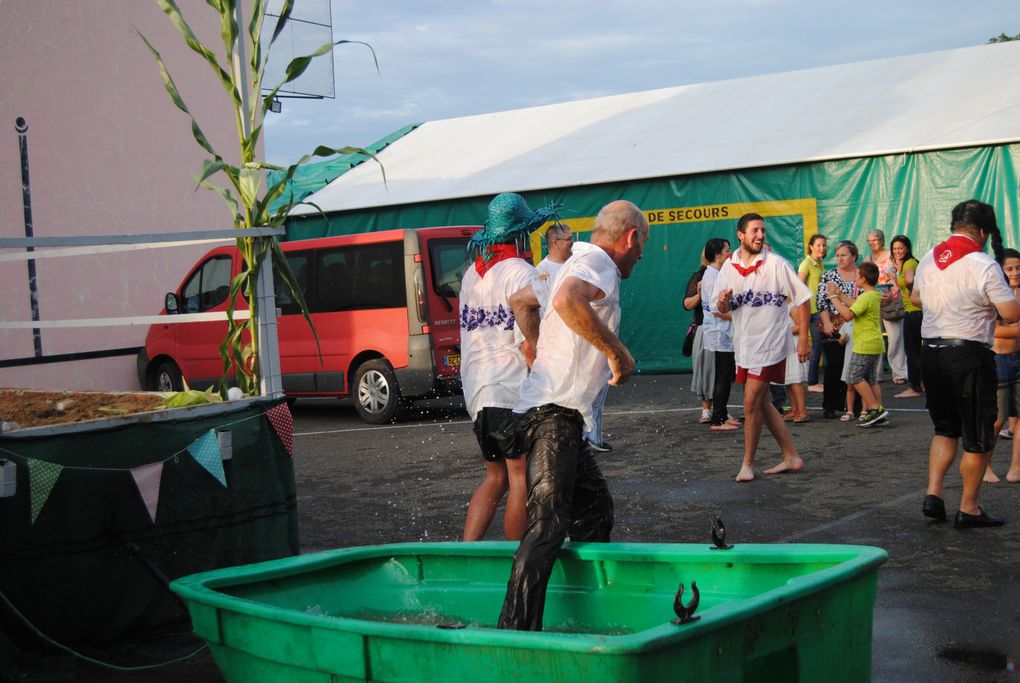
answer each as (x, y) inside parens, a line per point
(206, 451)
(147, 478)
(41, 477)
(283, 423)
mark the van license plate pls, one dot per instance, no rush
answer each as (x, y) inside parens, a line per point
(452, 360)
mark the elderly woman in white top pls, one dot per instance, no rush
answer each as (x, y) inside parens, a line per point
(883, 258)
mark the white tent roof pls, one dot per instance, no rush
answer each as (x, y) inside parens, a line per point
(956, 98)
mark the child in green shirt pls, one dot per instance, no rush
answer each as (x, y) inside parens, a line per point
(866, 357)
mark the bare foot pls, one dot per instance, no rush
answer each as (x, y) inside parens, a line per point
(1013, 476)
(990, 476)
(794, 464)
(745, 474)
(909, 393)
(816, 388)
(725, 427)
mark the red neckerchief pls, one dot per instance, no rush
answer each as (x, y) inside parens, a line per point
(953, 249)
(747, 270)
(496, 253)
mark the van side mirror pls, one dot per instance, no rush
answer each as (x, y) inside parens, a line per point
(170, 302)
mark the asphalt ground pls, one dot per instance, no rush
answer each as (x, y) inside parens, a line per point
(947, 605)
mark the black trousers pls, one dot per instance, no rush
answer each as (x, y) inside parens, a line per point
(834, 395)
(725, 375)
(567, 494)
(912, 347)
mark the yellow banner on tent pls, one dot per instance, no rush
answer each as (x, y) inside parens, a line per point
(806, 208)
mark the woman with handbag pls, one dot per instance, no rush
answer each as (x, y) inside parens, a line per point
(906, 265)
(844, 275)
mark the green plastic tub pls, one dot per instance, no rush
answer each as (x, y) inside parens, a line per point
(427, 612)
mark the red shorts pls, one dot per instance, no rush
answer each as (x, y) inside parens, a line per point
(772, 373)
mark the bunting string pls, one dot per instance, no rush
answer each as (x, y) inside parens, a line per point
(127, 469)
(205, 450)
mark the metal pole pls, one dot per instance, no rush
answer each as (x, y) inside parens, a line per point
(270, 383)
(21, 125)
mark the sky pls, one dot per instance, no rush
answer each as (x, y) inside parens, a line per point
(447, 58)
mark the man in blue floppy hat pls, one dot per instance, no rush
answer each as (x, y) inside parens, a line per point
(492, 361)
(578, 351)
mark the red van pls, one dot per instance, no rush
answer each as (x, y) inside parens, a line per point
(385, 306)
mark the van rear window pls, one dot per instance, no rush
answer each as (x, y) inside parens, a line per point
(449, 261)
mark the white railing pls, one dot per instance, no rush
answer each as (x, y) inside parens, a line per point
(56, 247)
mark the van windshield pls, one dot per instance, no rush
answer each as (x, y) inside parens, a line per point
(449, 261)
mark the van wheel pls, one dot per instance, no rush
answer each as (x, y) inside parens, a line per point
(167, 377)
(376, 394)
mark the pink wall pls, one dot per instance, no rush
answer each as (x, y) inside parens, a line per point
(108, 154)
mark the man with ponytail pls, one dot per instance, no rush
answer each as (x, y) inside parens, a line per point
(962, 291)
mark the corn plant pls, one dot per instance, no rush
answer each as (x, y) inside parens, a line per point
(248, 204)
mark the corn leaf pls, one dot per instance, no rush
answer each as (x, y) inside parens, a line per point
(209, 168)
(258, 16)
(226, 195)
(175, 96)
(283, 269)
(265, 166)
(288, 7)
(298, 65)
(192, 397)
(249, 180)
(171, 9)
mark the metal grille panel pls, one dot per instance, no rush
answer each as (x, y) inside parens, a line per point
(309, 27)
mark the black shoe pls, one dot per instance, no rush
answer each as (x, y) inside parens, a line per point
(965, 521)
(829, 414)
(934, 507)
(603, 447)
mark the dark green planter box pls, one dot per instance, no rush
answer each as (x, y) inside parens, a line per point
(84, 571)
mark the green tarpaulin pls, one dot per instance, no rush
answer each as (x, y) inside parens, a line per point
(313, 177)
(909, 194)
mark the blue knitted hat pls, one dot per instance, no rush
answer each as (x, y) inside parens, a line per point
(510, 220)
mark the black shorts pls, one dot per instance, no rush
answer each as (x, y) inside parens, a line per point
(960, 390)
(495, 429)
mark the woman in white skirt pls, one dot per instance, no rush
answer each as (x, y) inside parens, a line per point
(796, 383)
(703, 379)
(702, 361)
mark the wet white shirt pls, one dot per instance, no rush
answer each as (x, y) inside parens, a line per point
(569, 371)
(492, 366)
(761, 318)
(959, 302)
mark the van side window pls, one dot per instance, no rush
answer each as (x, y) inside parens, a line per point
(361, 277)
(300, 264)
(208, 287)
(332, 283)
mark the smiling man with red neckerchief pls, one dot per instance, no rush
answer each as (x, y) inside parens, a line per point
(962, 290)
(758, 287)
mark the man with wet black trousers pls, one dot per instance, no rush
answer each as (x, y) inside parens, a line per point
(578, 350)
(962, 291)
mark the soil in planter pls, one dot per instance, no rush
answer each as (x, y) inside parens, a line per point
(33, 408)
